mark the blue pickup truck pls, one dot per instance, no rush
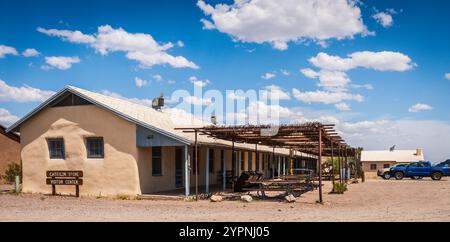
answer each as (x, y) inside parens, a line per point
(421, 169)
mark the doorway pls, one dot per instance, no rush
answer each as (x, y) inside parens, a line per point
(178, 167)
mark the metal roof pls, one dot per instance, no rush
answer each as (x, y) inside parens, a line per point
(395, 156)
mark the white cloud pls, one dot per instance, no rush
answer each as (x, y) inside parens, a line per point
(325, 97)
(419, 107)
(267, 113)
(157, 77)
(139, 47)
(329, 80)
(308, 72)
(180, 43)
(171, 82)
(431, 135)
(363, 86)
(30, 52)
(197, 101)
(207, 24)
(380, 61)
(283, 21)
(447, 76)
(234, 96)
(22, 94)
(343, 106)
(140, 82)
(6, 118)
(268, 76)
(275, 92)
(385, 19)
(60, 62)
(7, 50)
(199, 83)
(285, 72)
(68, 35)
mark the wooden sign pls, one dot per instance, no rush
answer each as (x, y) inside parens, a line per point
(64, 173)
(65, 178)
(51, 181)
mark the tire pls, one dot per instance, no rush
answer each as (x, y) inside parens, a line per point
(386, 176)
(399, 175)
(436, 176)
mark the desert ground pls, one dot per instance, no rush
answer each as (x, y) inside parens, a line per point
(374, 200)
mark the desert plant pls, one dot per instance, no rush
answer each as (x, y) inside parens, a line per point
(339, 188)
(11, 172)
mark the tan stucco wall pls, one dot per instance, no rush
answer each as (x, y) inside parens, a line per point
(164, 182)
(116, 174)
(9, 153)
(372, 174)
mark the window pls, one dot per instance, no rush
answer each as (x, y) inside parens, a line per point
(373, 166)
(242, 161)
(386, 166)
(250, 160)
(95, 148)
(211, 160)
(156, 161)
(56, 148)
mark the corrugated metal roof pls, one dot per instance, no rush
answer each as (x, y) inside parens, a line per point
(396, 155)
(163, 122)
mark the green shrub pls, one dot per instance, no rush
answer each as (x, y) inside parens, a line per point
(339, 188)
(11, 172)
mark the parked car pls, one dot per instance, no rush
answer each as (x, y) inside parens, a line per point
(420, 169)
(444, 163)
(386, 172)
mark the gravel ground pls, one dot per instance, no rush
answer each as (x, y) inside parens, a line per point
(376, 200)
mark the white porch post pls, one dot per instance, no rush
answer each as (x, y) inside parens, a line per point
(279, 165)
(186, 170)
(207, 171)
(284, 166)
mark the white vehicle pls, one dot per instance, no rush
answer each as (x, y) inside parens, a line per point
(386, 172)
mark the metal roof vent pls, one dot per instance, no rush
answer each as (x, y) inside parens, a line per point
(158, 103)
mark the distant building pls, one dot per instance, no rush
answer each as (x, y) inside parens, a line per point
(379, 159)
(9, 150)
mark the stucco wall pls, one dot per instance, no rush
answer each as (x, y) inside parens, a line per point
(116, 174)
(372, 174)
(9, 152)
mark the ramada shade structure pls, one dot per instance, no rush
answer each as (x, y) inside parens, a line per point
(311, 138)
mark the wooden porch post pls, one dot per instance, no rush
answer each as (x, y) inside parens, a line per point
(186, 171)
(224, 170)
(257, 158)
(332, 160)
(320, 166)
(346, 164)
(207, 171)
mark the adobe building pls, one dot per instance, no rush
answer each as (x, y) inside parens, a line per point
(126, 148)
(372, 161)
(9, 150)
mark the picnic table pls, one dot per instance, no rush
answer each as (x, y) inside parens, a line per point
(289, 186)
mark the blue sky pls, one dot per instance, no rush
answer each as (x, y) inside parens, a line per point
(406, 105)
